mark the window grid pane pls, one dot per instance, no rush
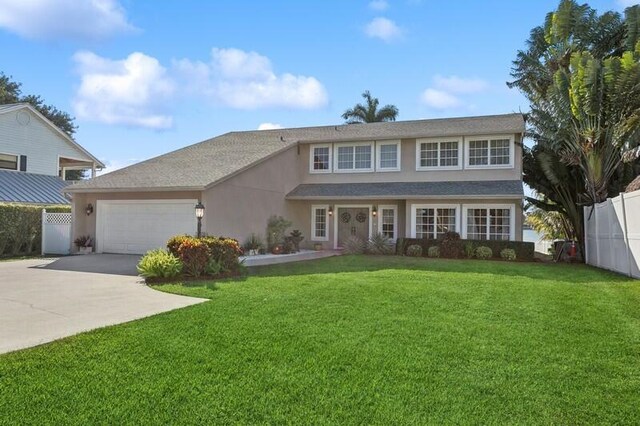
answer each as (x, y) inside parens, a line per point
(429, 154)
(345, 157)
(321, 158)
(477, 224)
(363, 157)
(8, 161)
(388, 156)
(425, 223)
(499, 224)
(500, 151)
(446, 220)
(388, 223)
(448, 154)
(320, 223)
(478, 153)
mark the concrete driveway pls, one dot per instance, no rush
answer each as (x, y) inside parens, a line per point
(46, 299)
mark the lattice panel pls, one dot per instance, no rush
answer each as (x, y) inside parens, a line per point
(58, 218)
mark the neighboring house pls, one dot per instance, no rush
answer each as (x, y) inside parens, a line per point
(406, 178)
(34, 157)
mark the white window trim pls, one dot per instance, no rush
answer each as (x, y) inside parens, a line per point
(311, 149)
(438, 141)
(17, 169)
(467, 141)
(512, 218)
(395, 219)
(398, 145)
(415, 207)
(353, 144)
(313, 222)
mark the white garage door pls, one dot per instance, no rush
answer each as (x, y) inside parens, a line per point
(136, 226)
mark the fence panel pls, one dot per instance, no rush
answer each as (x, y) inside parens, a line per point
(56, 233)
(612, 234)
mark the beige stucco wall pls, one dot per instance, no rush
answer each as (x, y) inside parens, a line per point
(408, 172)
(242, 204)
(86, 225)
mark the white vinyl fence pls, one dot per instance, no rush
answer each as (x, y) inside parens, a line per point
(56, 233)
(612, 233)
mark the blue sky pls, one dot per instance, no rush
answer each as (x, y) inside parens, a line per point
(146, 77)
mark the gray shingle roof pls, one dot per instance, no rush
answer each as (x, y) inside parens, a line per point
(19, 187)
(408, 189)
(205, 163)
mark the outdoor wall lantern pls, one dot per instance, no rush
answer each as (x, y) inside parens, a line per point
(199, 215)
(330, 210)
(89, 209)
(374, 211)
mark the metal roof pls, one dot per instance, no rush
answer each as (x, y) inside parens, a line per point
(20, 187)
(206, 163)
(486, 189)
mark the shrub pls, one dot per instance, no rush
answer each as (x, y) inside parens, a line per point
(484, 253)
(159, 264)
(83, 241)
(253, 242)
(379, 244)
(296, 238)
(195, 255)
(354, 245)
(276, 229)
(175, 242)
(524, 250)
(225, 251)
(414, 250)
(213, 267)
(433, 251)
(508, 254)
(469, 249)
(451, 245)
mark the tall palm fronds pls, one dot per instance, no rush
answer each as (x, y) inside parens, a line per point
(370, 113)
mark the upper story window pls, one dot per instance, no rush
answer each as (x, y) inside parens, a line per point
(388, 154)
(493, 151)
(354, 157)
(438, 154)
(8, 161)
(320, 161)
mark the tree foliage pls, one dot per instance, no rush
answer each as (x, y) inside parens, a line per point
(370, 113)
(581, 75)
(11, 92)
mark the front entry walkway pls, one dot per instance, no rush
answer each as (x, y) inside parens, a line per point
(273, 259)
(41, 301)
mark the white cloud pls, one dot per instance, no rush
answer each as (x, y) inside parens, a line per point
(379, 5)
(130, 91)
(457, 84)
(439, 99)
(269, 126)
(246, 80)
(384, 29)
(64, 19)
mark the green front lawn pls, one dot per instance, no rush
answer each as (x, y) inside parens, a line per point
(385, 340)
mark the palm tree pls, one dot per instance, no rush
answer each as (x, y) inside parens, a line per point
(370, 113)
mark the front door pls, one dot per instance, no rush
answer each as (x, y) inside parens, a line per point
(353, 222)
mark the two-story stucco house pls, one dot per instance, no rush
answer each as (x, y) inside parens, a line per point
(34, 157)
(407, 178)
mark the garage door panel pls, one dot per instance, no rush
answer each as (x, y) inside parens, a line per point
(134, 227)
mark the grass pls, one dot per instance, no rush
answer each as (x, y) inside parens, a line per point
(346, 340)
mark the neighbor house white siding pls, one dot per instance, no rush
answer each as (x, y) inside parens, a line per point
(38, 141)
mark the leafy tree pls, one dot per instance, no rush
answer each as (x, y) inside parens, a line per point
(550, 224)
(11, 92)
(581, 75)
(370, 113)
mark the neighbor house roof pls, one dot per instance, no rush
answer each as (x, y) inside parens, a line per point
(20, 187)
(319, 191)
(6, 108)
(204, 164)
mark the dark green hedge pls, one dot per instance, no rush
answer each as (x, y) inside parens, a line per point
(524, 250)
(21, 228)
